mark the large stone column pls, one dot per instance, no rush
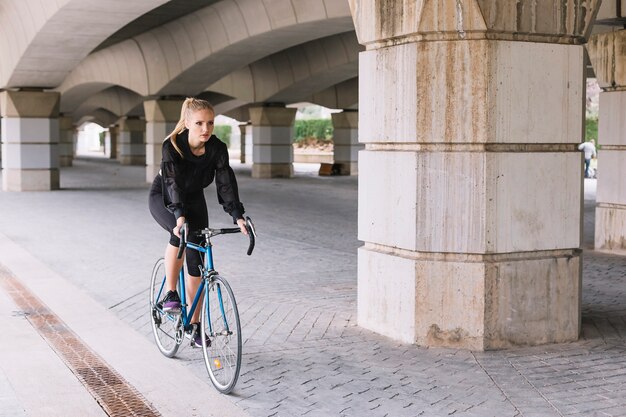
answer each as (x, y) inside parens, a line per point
(608, 56)
(272, 139)
(131, 141)
(346, 141)
(66, 141)
(248, 144)
(245, 131)
(161, 118)
(111, 144)
(30, 136)
(470, 189)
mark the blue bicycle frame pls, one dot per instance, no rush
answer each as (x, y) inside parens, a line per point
(206, 274)
(221, 336)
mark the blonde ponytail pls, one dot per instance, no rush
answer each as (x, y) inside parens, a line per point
(189, 106)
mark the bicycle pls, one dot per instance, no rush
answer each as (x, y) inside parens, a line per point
(219, 317)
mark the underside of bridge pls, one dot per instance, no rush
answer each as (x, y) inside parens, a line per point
(463, 118)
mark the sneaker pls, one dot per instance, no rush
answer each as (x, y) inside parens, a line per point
(171, 303)
(196, 336)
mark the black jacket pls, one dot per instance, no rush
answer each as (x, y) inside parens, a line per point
(184, 178)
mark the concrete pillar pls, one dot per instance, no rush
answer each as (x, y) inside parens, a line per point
(161, 119)
(346, 141)
(608, 56)
(470, 188)
(111, 141)
(118, 145)
(66, 141)
(242, 143)
(30, 136)
(248, 143)
(131, 141)
(272, 139)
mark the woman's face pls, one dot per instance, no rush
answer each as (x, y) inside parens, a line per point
(200, 126)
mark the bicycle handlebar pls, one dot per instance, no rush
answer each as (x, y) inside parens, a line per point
(183, 241)
(214, 232)
(251, 235)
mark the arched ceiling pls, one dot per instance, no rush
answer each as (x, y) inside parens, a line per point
(101, 117)
(184, 56)
(344, 95)
(107, 56)
(116, 100)
(159, 16)
(43, 40)
(295, 73)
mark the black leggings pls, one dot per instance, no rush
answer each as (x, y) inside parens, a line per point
(195, 213)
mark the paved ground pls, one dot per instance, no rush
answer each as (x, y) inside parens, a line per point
(303, 353)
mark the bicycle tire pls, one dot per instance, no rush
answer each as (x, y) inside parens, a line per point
(223, 357)
(165, 327)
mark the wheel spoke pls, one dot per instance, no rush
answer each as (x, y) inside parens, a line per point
(164, 325)
(223, 357)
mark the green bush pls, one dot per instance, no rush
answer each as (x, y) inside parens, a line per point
(591, 129)
(223, 133)
(319, 129)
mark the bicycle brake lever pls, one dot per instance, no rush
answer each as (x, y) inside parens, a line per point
(183, 242)
(251, 234)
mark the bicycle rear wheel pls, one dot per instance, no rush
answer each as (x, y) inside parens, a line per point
(165, 326)
(220, 321)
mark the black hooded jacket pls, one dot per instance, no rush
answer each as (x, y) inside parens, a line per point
(184, 178)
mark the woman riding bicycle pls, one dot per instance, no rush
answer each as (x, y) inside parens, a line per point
(192, 159)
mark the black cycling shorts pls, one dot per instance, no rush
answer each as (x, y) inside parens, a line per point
(195, 213)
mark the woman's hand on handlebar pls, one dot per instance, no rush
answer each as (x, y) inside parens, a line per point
(242, 225)
(179, 223)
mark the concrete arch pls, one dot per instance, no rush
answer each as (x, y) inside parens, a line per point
(122, 67)
(296, 73)
(183, 57)
(46, 39)
(102, 117)
(117, 100)
(344, 95)
(235, 109)
(214, 98)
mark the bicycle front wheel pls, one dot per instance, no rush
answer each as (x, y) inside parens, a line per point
(220, 321)
(165, 326)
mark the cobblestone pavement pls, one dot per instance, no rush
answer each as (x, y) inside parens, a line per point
(303, 353)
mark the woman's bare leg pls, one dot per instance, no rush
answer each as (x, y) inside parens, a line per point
(191, 286)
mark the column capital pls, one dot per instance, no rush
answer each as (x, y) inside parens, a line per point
(381, 23)
(607, 52)
(345, 120)
(30, 104)
(66, 123)
(272, 116)
(127, 124)
(163, 110)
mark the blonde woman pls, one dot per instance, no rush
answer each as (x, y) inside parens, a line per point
(192, 159)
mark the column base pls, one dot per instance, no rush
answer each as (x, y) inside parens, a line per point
(476, 302)
(132, 159)
(272, 170)
(30, 180)
(610, 233)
